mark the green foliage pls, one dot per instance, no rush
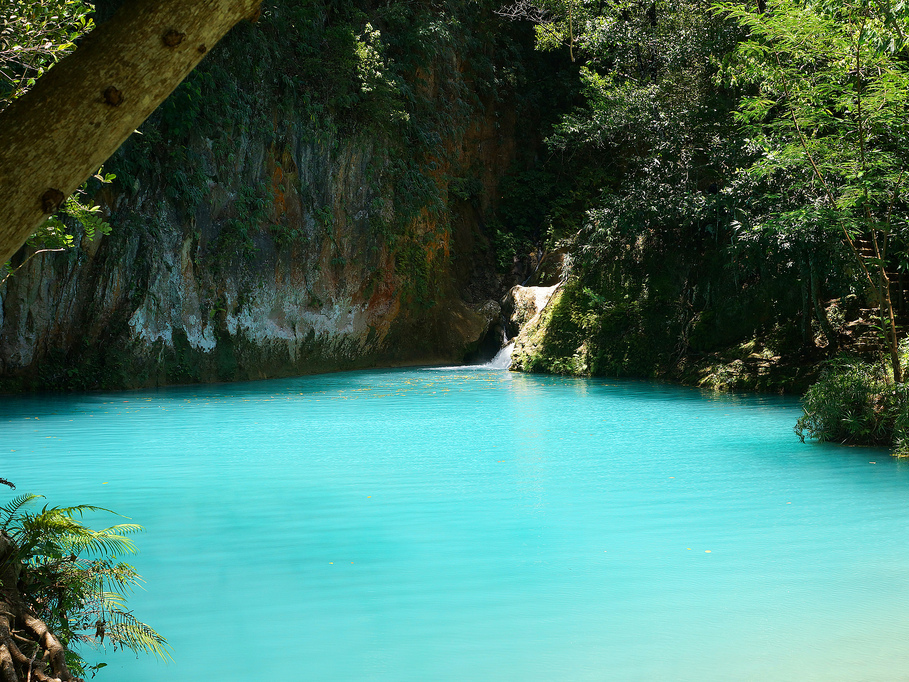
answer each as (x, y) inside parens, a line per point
(856, 402)
(828, 90)
(656, 243)
(657, 126)
(544, 204)
(35, 35)
(413, 264)
(237, 237)
(73, 578)
(56, 233)
(708, 225)
(826, 108)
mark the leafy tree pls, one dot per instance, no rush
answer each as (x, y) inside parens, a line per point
(653, 111)
(656, 120)
(35, 35)
(558, 22)
(652, 116)
(826, 110)
(61, 585)
(856, 402)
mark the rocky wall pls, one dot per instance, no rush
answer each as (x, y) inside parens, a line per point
(290, 256)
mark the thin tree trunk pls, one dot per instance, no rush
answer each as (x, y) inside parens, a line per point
(806, 304)
(570, 31)
(819, 310)
(889, 319)
(78, 114)
(901, 304)
(880, 250)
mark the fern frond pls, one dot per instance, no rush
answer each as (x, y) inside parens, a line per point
(121, 577)
(58, 526)
(76, 575)
(80, 510)
(125, 630)
(9, 510)
(98, 542)
(123, 529)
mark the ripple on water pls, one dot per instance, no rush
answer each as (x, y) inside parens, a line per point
(481, 525)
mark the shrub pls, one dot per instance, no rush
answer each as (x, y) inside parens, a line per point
(62, 585)
(856, 402)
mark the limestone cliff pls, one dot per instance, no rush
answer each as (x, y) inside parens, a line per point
(278, 242)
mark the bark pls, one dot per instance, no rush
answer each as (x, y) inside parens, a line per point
(7, 668)
(19, 623)
(9, 566)
(806, 303)
(82, 110)
(889, 320)
(819, 310)
(47, 641)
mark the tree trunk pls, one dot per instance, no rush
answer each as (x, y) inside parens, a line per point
(888, 319)
(82, 110)
(819, 310)
(28, 650)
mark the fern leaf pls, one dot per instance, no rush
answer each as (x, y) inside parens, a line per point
(124, 629)
(9, 511)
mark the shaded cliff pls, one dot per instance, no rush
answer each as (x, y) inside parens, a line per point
(314, 197)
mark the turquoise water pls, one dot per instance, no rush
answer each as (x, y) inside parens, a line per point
(474, 525)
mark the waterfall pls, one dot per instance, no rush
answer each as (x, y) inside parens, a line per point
(502, 360)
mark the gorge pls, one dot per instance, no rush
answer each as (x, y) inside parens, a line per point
(374, 325)
(360, 186)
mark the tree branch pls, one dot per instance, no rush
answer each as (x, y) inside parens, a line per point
(78, 114)
(527, 10)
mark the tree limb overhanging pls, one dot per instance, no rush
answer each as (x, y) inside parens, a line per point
(78, 114)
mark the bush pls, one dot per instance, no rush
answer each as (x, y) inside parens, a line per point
(62, 585)
(857, 402)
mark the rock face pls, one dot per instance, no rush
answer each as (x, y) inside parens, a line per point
(285, 248)
(525, 310)
(158, 302)
(522, 304)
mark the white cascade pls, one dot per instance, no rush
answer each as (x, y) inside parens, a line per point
(502, 360)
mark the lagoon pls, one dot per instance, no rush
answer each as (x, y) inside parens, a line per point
(476, 524)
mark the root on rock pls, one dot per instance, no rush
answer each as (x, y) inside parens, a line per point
(28, 649)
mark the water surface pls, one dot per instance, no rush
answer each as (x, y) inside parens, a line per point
(480, 525)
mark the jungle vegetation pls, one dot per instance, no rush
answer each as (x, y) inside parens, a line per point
(751, 212)
(725, 180)
(63, 585)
